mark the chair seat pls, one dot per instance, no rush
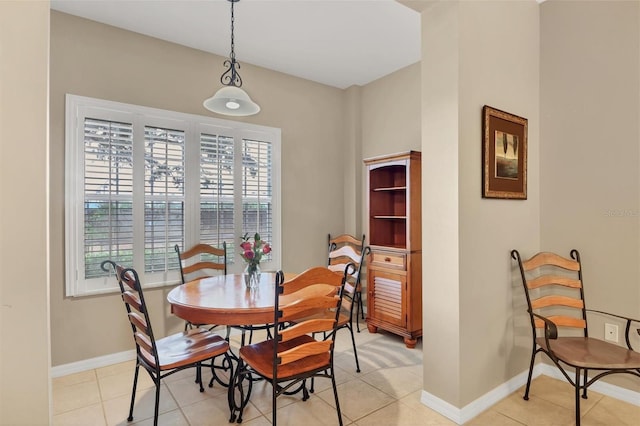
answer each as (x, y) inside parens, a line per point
(260, 357)
(185, 348)
(592, 354)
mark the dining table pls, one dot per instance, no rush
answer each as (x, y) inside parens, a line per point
(226, 300)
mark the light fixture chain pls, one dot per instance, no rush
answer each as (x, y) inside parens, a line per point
(233, 19)
(231, 77)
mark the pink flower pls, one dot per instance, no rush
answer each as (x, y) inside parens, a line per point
(252, 252)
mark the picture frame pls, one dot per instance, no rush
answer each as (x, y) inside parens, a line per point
(504, 159)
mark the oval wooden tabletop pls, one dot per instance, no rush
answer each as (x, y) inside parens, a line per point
(225, 300)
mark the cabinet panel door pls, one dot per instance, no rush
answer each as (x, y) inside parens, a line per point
(387, 296)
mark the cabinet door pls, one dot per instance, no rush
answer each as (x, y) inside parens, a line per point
(387, 293)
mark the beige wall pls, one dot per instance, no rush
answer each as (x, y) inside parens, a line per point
(24, 287)
(466, 263)
(474, 53)
(100, 61)
(389, 121)
(590, 152)
(390, 117)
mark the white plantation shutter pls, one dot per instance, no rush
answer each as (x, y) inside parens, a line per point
(217, 187)
(163, 197)
(141, 180)
(108, 193)
(257, 190)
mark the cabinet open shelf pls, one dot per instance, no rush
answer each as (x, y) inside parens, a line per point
(390, 217)
(393, 188)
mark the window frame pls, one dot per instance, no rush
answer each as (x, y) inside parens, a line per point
(79, 107)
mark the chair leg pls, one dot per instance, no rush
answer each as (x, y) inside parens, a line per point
(133, 391)
(157, 406)
(335, 394)
(199, 375)
(359, 310)
(274, 396)
(533, 358)
(584, 384)
(577, 391)
(355, 351)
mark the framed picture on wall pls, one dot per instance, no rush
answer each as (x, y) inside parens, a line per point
(504, 158)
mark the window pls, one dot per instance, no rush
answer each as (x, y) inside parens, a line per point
(141, 180)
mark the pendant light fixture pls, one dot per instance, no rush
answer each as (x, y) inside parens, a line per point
(231, 99)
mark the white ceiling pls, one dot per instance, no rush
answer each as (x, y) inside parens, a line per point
(335, 42)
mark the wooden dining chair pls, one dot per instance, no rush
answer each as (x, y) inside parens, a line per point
(168, 355)
(349, 296)
(293, 355)
(345, 249)
(554, 290)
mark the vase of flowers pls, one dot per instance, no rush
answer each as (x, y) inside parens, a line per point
(252, 253)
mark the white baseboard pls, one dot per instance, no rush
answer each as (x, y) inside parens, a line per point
(90, 364)
(471, 410)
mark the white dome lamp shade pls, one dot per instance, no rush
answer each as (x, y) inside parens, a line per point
(231, 99)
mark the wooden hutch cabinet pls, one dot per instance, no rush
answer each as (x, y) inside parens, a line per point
(394, 271)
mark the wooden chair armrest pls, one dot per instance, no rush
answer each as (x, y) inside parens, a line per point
(628, 322)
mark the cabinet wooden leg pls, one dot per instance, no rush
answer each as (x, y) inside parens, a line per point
(372, 328)
(410, 343)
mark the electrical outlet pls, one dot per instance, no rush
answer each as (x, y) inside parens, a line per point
(611, 332)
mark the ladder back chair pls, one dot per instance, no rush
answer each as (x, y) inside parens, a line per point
(553, 287)
(345, 249)
(162, 357)
(293, 355)
(349, 295)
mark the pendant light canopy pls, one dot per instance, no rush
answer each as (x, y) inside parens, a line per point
(231, 99)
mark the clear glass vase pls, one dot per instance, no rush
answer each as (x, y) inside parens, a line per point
(252, 275)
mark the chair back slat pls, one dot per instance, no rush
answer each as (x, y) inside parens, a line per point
(563, 321)
(190, 269)
(200, 260)
(144, 341)
(553, 280)
(315, 275)
(309, 305)
(307, 327)
(304, 351)
(138, 321)
(133, 300)
(547, 301)
(550, 259)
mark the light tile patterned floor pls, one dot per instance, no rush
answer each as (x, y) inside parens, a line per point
(385, 393)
